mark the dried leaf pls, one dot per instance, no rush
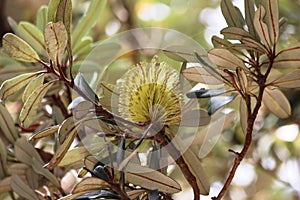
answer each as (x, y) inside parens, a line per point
(201, 75)
(290, 80)
(232, 14)
(42, 18)
(32, 35)
(277, 103)
(7, 125)
(22, 188)
(234, 33)
(45, 132)
(32, 85)
(195, 166)
(288, 58)
(18, 49)
(87, 22)
(13, 85)
(56, 39)
(261, 27)
(30, 107)
(272, 18)
(225, 59)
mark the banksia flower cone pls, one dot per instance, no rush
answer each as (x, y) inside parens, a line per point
(150, 93)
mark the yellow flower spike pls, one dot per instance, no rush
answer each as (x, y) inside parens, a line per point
(150, 93)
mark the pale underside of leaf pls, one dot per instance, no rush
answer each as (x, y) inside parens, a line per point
(288, 58)
(201, 75)
(234, 33)
(18, 49)
(89, 184)
(261, 27)
(32, 85)
(290, 80)
(243, 115)
(277, 103)
(271, 18)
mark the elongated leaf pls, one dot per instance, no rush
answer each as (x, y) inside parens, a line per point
(52, 10)
(3, 157)
(242, 79)
(31, 105)
(151, 179)
(224, 58)
(277, 103)
(13, 85)
(81, 83)
(195, 118)
(85, 43)
(272, 18)
(64, 14)
(290, 80)
(12, 23)
(249, 16)
(251, 44)
(32, 85)
(7, 125)
(65, 129)
(200, 75)
(42, 18)
(234, 33)
(32, 35)
(180, 53)
(87, 21)
(232, 14)
(89, 184)
(288, 58)
(5, 185)
(203, 93)
(56, 39)
(261, 27)
(220, 42)
(22, 188)
(45, 132)
(18, 49)
(62, 150)
(243, 115)
(195, 166)
(215, 103)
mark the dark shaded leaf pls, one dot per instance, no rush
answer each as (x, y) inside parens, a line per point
(102, 194)
(215, 103)
(64, 14)
(22, 188)
(206, 93)
(89, 93)
(100, 172)
(154, 195)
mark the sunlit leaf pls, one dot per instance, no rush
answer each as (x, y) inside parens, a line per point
(81, 83)
(201, 75)
(42, 18)
(22, 188)
(234, 33)
(232, 14)
(288, 58)
(261, 27)
(89, 184)
(277, 103)
(52, 10)
(45, 132)
(87, 22)
(7, 125)
(32, 85)
(195, 166)
(30, 107)
(56, 39)
(271, 18)
(290, 80)
(65, 129)
(32, 35)
(215, 103)
(151, 179)
(18, 49)
(225, 59)
(204, 93)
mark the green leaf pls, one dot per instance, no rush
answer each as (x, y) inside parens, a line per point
(290, 80)
(85, 43)
(22, 188)
(3, 161)
(13, 85)
(225, 59)
(201, 75)
(45, 132)
(42, 18)
(234, 33)
(33, 36)
(195, 165)
(288, 58)
(13, 24)
(32, 85)
(261, 27)
(64, 14)
(232, 14)
(56, 39)
(272, 18)
(30, 107)
(18, 49)
(86, 22)
(195, 118)
(277, 103)
(7, 125)
(220, 42)
(52, 10)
